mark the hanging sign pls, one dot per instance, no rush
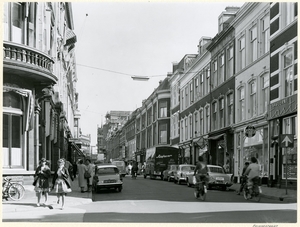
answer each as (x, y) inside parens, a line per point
(250, 131)
(286, 140)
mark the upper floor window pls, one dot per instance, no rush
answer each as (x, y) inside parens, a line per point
(253, 97)
(201, 125)
(207, 84)
(288, 72)
(215, 74)
(182, 99)
(214, 116)
(163, 109)
(196, 126)
(163, 133)
(191, 126)
(191, 93)
(197, 89)
(241, 109)
(265, 93)
(17, 22)
(186, 128)
(253, 43)
(230, 62)
(221, 112)
(207, 119)
(242, 53)
(154, 112)
(230, 109)
(289, 12)
(265, 25)
(201, 90)
(186, 96)
(222, 69)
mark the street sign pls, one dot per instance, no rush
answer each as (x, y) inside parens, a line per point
(286, 140)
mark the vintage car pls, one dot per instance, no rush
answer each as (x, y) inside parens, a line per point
(107, 176)
(182, 171)
(216, 178)
(168, 174)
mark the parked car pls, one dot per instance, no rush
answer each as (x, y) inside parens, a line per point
(107, 176)
(182, 171)
(217, 178)
(168, 174)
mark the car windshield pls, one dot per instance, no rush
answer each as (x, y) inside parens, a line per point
(215, 170)
(173, 167)
(107, 170)
(187, 168)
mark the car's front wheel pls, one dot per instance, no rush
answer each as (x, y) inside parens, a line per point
(119, 189)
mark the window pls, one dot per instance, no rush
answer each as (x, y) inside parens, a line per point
(215, 74)
(163, 134)
(252, 106)
(230, 62)
(214, 116)
(186, 128)
(288, 72)
(201, 122)
(182, 100)
(17, 22)
(191, 126)
(201, 92)
(197, 92)
(207, 85)
(241, 104)
(181, 132)
(221, 113)
(265, 24)
(196, 126)
(265, 93)
(191, 93)
(289, 13)
(154, 112)
(163, 109)
(230, 109)
(186, 96)
(12, 152)
(253, 44)
(242, 53)
(222, 69)
(207, 119)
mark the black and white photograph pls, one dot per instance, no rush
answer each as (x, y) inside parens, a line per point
(150, 113)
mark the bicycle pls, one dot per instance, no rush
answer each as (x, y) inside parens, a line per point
(200, 188)
(12, 190)
(255, 192)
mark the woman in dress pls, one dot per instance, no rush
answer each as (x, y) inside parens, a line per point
(82, 182)
(61, 183)
(41, 181)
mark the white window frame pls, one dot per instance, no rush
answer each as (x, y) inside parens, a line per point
(221, 112)
(265, 31)
(253, 43)
(230, 108)
(242, 52)
(288, 81)
(265, 89)
(242, 106)
(201, 122)
(214, 121)
(230, 62)
(221, 73)
(253, 98)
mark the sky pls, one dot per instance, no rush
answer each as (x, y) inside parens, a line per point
(117, 40)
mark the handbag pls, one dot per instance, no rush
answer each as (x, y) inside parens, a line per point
(87, 175)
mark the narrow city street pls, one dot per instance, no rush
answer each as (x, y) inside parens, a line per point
(156, 201)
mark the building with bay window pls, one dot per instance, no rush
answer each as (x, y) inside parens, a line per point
(39, 85)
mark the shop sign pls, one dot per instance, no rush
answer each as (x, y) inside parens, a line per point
(250, 131)
(283, 107)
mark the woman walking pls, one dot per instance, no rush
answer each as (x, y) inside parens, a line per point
(41, 181)
(81, 168)
(61, 182)
(89, 169)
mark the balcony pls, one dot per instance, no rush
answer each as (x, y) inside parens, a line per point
(28, 63)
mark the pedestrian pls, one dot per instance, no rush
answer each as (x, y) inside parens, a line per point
(69, 167)
(89, 169)
(134, 169)
(41, 181)
(129, 168)
(74, 170)
(61, 183)
(82, 182)
(243, 178)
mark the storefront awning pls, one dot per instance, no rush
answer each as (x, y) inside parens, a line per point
(79, 152)
(216, 137)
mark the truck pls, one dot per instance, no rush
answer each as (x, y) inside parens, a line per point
(158, 159)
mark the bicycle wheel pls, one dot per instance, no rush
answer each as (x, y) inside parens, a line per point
(202, 193)
(16, 191)
(246, 194)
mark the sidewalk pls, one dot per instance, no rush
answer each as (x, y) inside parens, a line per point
(274, 193)
(26, 208)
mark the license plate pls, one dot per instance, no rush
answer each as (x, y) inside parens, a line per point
(109, 181)
(219, 178)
